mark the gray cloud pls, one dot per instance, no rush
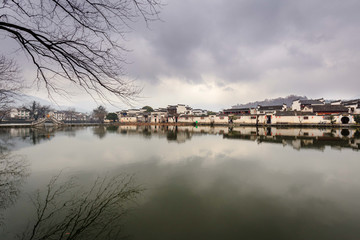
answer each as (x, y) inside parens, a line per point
(255, 49)
(244, 41)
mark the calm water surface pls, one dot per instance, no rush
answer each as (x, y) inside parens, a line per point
(196, 182)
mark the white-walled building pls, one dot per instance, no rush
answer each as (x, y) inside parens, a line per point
(128, 119)
(199, 112)
(19, 113)
(179, 109)
(353, 106)
(298, 105)
(159, 116)
(271, 109)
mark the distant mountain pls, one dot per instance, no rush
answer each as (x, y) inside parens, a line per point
(27, 99)
(270, 102)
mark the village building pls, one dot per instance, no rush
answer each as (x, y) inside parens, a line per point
(143, 117)
(59, 115)
(247, 119)
(326, 109)
(184, 118)
(199, 112)
(19, 113)
(201, 119)
(219, 119)
(128, 119)
(174, 111)
(237, 111)
(336, 102)
(294, 117)
(159, 115)
(299, 105)
(353, 106)
(271, 109)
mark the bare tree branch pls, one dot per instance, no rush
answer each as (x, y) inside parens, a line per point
(63, 211)
(77, 40)
(10, 85)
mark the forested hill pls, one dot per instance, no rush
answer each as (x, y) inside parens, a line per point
(269, 102)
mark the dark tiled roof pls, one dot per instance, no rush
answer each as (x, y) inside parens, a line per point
(231, 110)
(329, 108)
(293, 113)
(310, 101)
(238, 109)
(351, 102)
(275, 107)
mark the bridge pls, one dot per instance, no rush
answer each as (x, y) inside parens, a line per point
(43, 120)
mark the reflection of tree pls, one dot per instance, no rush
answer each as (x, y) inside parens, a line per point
(63, 211)
(357, 133)
(112, 128)
(37, 135)
(146, 132)
(171, 135)
(13, 170)
(99, 131)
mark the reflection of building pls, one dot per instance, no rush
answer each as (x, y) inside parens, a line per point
(299, 138)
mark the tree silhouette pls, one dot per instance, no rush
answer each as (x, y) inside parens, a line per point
(77, 40)
(10, 85)
(67, 211)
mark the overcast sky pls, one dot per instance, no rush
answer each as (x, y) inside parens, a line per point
(216, 53)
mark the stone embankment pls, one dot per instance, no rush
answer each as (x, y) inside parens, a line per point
(4, 124)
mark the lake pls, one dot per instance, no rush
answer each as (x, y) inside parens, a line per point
(159, 182)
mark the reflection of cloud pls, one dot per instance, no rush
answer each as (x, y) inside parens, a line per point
(236, 200)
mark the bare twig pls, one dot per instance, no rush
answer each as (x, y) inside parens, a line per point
(77, 40)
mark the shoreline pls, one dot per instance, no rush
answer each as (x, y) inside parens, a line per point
(26, 125)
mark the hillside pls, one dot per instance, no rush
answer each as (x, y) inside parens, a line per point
(270, 102)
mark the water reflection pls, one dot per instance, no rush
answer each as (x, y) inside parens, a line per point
(99, 131)
(202, 183)
(37, 135)
(13, 171)
(243, 200)
(67, 210)
(298, 138)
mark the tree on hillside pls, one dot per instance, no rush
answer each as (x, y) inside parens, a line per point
(148, 108)
(99, 113)
(77, 41)
(112, 116)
